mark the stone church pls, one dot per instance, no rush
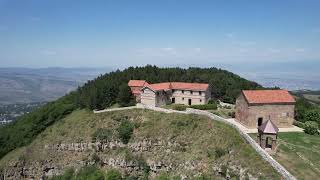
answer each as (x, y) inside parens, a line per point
(254, 107)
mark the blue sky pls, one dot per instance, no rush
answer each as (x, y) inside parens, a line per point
(75, 33)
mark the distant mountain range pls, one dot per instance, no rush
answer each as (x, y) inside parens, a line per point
(25, 85)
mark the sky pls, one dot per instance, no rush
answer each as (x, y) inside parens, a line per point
(76, 33)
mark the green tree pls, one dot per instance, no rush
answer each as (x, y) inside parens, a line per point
(125, 97)
(125, 130)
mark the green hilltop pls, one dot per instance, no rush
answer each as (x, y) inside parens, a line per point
(146, 144)
(106, 90)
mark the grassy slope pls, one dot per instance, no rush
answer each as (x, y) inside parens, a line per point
(299, 153)
(200, 135)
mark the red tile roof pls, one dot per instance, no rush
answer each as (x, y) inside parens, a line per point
(169, 85)
(136, 92)
(189, 86)
(137, 83)
(160, 86)
(268, 127)
(268, 96)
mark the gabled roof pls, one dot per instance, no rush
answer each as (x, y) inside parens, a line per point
(189, 86)
(268, 96)
(178, 85)
(268, 127)
(137, 83)
(160, 86)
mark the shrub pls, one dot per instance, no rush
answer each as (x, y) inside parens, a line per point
(220, 152)
(113, 175)
(179, 107)
(90, 173)
(313, 115)
(204, 106)
(125, 130)
(299, 124)
(311, 127)
(96, 158)
(68, 174)
(211, 101)
(102, 134)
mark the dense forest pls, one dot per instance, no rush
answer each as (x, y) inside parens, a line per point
(111, 88)
(103, 91)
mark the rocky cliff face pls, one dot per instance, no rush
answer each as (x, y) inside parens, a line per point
(95, 152)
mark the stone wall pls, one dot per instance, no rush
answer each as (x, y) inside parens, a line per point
(183, 96)
(282, 115)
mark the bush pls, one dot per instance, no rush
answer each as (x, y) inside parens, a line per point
(311, 127)
(67, 175)
(102, 134)
(211, 101)
(90, 173)
(85, 173)
(179, 107)
(313, 115)
(299, 124)
(220, 152)
(204, 106)
(113, 175)
(125, 130)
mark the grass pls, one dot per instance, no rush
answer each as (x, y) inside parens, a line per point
(223, 112)
(299, 153)
(201, 140)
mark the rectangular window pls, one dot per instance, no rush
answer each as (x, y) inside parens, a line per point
(182, 91)
(200, 100)
(200, 93)
(191, 92)
(172, 90)
(183, 99)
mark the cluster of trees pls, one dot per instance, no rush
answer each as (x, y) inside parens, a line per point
(111, 88)
(308, 116)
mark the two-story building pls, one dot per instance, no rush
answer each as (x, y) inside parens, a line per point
(171, 92)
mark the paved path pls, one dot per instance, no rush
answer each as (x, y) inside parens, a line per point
(255, 130)
(240, 128)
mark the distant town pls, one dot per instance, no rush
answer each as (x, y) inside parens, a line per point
(9, 113)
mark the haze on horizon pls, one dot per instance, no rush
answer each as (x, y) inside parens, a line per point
(37, 33)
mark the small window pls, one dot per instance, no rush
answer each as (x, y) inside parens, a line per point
(200, 100)
(183, 99)
(182, 91)
(200, 93)
(172, 90)
(191, 92)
